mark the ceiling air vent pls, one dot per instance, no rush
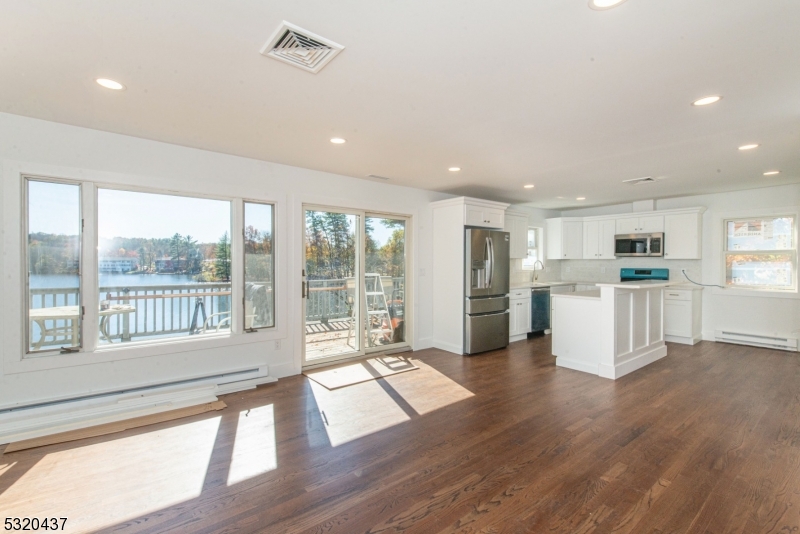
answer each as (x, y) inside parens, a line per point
(643, 180)
(303, 49)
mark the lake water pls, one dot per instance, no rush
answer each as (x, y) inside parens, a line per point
(113, 280)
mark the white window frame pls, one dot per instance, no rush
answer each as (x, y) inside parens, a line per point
(793, 252)
(244, 266)
(15, 356)
(539, 248)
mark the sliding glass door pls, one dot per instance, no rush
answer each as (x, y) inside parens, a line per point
(354, 284)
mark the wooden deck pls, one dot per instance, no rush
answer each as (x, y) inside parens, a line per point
(706, 440)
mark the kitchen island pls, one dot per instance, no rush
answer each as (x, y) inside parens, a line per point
(609, 331)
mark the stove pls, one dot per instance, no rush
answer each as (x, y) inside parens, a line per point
(628, 274)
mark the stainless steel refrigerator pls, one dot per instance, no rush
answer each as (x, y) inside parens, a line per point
(486, 290)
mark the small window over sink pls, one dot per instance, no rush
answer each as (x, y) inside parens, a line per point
(534, 250)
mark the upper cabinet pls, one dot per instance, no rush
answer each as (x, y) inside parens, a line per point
(592, 238)
(598, 239)
(644, 224)
(481, 214)
(683, 236)
(564, 239)
(517, 225)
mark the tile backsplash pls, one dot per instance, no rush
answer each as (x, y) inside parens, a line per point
(592, 270)
(551, 272)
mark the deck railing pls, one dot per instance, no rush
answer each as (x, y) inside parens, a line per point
(167, 310)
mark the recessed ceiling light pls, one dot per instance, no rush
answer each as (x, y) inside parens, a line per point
(454, 169)
(600, 5)
(771, 173)
(581, 198)
(706, 100)
(110, 84)
(748, 147)
(338, 141)
(529, 186)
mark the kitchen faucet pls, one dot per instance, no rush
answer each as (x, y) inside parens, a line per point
(536, 276)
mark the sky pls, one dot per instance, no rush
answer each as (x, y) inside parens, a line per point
(149, 215)
(54, 209)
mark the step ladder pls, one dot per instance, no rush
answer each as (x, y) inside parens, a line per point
(378, 319)
(377, 309)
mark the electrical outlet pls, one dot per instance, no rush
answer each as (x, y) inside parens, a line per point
(568, 269)
(547, 269)
(602, 270)
(277, 344)
(422, 272)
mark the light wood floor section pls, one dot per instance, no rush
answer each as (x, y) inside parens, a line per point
(706, 440)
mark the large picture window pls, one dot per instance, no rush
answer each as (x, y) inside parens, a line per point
(164, 266)
(761, 253)
(259, 266)
(53, 251)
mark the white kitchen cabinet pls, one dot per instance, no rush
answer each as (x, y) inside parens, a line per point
(598, 239)
(564, 239)
(484, 216)
(645, 224)
(683, 315)
(519, 319)
(683, 236)
(517, 225)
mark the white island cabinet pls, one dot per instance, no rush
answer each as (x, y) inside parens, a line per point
(610, 331)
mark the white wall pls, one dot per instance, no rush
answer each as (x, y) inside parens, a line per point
(51, 149)
(722, 309)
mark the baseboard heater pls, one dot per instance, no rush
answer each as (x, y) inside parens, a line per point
(140, 390)
(53, 416)
(756, 340)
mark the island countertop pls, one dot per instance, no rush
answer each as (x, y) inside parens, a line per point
(589, 294)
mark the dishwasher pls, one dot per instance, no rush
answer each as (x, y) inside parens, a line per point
(540, 309)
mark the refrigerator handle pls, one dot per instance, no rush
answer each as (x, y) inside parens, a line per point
(489, 261)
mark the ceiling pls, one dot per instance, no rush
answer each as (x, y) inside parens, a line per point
(549, 93)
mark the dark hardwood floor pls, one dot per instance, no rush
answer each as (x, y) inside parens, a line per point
(706, 440)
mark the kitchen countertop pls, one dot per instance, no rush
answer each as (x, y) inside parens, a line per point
(531, 285)
(665, 283)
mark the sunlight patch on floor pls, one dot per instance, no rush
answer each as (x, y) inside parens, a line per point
(355, 411)
(254, 449)
(427, 390)
(118, 479)
(5, 467)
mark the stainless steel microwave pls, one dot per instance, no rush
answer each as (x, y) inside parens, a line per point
(639, 244)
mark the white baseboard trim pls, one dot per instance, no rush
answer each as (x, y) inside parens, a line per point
(424, 343)
(520, 337)
(684, 340)
(636, 363)
(449, 347)
(577, 365)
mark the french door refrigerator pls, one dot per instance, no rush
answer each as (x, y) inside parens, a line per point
(485, 290)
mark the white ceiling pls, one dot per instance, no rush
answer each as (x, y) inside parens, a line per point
(547, 92)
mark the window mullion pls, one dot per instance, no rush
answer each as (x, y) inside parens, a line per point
(89, 291)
